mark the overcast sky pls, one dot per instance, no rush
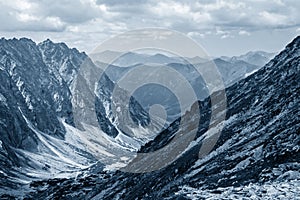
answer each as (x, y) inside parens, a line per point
(222, 27)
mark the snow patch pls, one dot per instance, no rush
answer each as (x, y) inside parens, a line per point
(3, 99)
(248, 74)
(269, 190)
(114, 166)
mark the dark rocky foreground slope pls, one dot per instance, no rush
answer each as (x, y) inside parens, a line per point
(256, 156)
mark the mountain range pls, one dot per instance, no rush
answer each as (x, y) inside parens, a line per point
(231, 69)
(45, 156)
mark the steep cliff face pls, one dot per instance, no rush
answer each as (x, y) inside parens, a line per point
(28, 88)
(35, 96)
(35, 83)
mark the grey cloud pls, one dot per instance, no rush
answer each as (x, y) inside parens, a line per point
(254, 15)
(202, 15)
(68, 11)
(118, 2)
(205, 16)
(10, 22)
(45, 16)
(90, 21)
